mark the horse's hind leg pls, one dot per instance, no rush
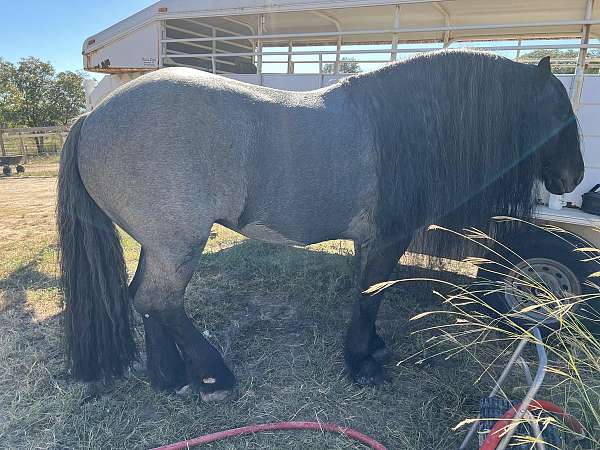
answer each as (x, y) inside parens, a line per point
(375, 262)
(164, 363)
(159, 299)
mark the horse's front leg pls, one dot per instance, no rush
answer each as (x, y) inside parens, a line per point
(375, 261)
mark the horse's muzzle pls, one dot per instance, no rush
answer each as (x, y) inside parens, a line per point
(563, 184)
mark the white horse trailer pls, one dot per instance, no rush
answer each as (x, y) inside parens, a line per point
(308, 44)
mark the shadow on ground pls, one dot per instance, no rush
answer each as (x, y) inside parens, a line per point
(278, 315)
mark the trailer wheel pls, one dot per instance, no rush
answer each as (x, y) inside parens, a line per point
(547, 259)
(20, 168)
(6, 170)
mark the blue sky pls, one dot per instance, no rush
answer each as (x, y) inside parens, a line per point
(54, 30)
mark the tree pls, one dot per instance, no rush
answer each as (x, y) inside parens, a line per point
(562, 55)
(32, 94)
(9, 98)
(68, 97)
(33, 79)
(347, 65)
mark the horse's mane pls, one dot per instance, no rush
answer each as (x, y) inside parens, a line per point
(455, 142)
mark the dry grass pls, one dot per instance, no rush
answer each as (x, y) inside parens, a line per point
(278, 314)
(572, 378)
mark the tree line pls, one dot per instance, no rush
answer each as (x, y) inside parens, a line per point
(34, 94)
(568, 55)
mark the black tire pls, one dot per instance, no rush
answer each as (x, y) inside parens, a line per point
(20, 168)
(555, 259)
(6, 170)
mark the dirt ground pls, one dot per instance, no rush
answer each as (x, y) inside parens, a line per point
(278, 316)
(27, 208)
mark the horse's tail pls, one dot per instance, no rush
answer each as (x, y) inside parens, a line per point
(98, 315)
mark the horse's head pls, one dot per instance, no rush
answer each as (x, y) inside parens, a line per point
(558, 140)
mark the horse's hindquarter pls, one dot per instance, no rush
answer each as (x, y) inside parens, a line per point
(310, 170)
(166, 154)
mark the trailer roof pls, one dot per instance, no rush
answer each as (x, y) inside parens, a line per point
(420, 20)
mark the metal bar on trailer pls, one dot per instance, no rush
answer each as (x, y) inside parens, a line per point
(209, 47)
(259, 47)
(290, 64)
(336, 67)
(223, 30)
(214, 51)
(394, 51)
(191, 66)
(385, 50)
(320, 70)
(207, 25)
(239, 22)
(161, 44)
(580, 68)
(446, 15)
(403, 30)
(308, 61)
(177, 54)
(405, 50)
(185, 30)
(338, 27)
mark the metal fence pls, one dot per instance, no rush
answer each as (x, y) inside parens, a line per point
(30, 142)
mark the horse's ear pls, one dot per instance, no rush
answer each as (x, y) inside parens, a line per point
(544, 68)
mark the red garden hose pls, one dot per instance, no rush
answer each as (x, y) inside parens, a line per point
(495, 434)
(330, 427)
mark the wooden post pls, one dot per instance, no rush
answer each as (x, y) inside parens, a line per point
(60, 139)
(2, 149)
(23, 149)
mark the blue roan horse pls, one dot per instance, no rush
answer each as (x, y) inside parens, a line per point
(451, 137)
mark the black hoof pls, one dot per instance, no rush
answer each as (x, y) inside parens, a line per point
(366, 372)
(211, 388)
(215, 383)
(215, 396)
(167, 378)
